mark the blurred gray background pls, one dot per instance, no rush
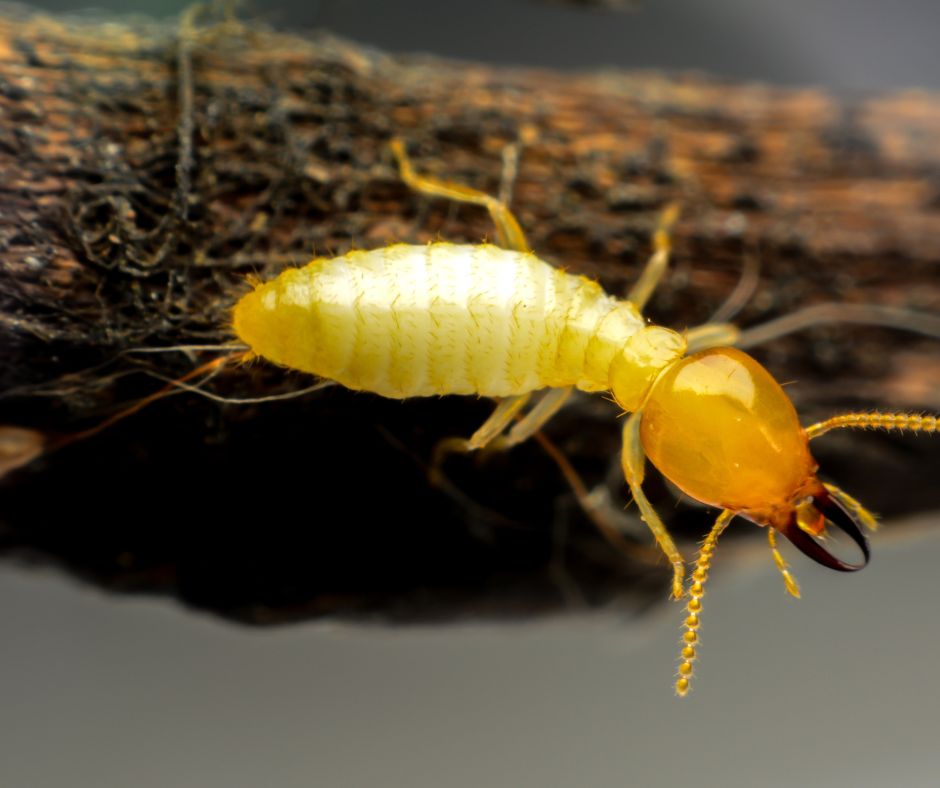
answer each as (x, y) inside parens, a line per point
(838, 689)
(844, 44)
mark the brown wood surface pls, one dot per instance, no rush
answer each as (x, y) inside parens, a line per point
(146, 170)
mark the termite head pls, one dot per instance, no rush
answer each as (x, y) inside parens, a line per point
(722, 429)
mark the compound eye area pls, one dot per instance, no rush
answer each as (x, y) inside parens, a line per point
(722, 429)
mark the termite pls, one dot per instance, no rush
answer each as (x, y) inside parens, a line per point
(496, 321)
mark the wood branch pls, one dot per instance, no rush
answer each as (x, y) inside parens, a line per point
(146, 171)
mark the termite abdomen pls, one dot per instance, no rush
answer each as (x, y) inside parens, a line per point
(414, 321)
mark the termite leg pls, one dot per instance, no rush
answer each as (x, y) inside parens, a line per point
(598, 511)
(593, 507)
(489, 436)
(499, 419)
(534, 420)
(528, 426)
(508, 229)
(633, 459)
(511, 236)
(656, 266)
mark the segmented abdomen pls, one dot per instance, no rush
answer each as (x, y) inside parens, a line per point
(412, 321)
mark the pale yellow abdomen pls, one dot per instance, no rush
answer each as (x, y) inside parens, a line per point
(414, 321)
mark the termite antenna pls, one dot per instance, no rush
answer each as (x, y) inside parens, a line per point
(915, 422)
(656, 266)
(875, 421)
(720, 334)
(694, 606)
(742, 293)
(862, 314)
(793, 588)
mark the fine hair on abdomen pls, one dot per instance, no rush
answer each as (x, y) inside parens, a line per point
(411, 321)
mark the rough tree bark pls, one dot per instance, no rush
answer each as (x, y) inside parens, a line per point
(146, 171)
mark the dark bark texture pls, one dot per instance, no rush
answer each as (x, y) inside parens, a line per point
(146, 171)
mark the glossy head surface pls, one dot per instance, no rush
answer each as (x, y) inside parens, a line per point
(722, 429)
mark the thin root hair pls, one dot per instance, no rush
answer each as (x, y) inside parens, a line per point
(233, 348)
(195, 389)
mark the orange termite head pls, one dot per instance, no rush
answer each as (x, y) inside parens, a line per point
(722, 429)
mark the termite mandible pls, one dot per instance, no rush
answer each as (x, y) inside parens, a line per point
(496, 321)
